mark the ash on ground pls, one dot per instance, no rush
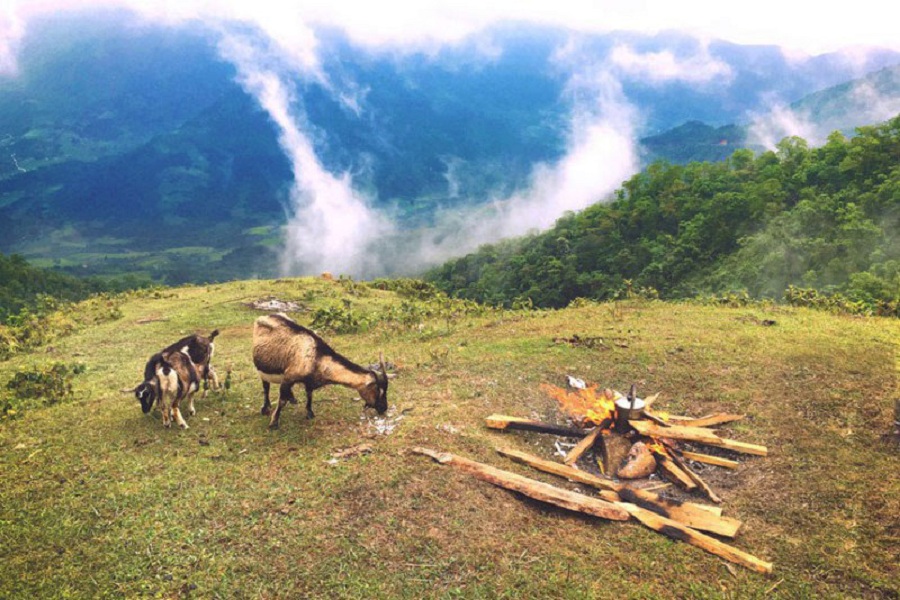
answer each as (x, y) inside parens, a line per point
(381, 424)
(272, 304)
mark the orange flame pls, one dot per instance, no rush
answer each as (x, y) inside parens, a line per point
(585, 406)
(656, 448)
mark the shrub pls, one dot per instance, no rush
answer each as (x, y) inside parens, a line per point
(50, 384)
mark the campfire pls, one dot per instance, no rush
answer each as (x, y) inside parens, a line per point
(629, 441)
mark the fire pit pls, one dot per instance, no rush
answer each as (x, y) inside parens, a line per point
(602, 416)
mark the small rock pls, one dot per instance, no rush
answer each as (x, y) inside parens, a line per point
(639, 462)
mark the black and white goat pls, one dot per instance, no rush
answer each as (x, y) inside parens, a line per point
(169, 378)
(200, 350)
(287, 353)
(175, 373)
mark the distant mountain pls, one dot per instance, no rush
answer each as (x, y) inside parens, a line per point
(694, 141)
(872, 99)
(127, 146)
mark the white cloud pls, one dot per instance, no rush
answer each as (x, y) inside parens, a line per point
(664, 66)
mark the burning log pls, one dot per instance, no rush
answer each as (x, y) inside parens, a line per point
(581, 447)
(696, 434)
(529, 487)
(506, 422)
(707, 421)
(710, 460)
(677, 531)
(656, 419)
(614, 448)
(697, 516)
(704, 487)
(672, 471)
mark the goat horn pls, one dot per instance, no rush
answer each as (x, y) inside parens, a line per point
(381, 361)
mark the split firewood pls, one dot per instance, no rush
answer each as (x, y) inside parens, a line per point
(696, 434)
(506, 422)
(710, 460)
(654, 487)
(581, 447)
(673, 472)
(656, 419)
(584, 504)
(530, 487)
(613, 448)
(649, 400)
(697, 516)
(677, 531)
(704, 487)
(707, 421)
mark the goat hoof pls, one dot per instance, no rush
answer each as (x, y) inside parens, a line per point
(273, 426)
(310, 415)
(192, 412)
(265, 410)
(184, 426)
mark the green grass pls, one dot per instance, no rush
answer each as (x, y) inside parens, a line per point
(99, 500)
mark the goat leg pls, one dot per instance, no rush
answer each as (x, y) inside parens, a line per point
(284, 396)
(309, 410)
(177, 415)
(267, 406)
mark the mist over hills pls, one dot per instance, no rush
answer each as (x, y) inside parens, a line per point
(126, 146)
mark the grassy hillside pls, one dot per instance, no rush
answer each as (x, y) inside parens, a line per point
(99, 500)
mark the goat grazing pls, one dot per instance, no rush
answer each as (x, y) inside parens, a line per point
(173, 375)
(169, 378)
(200, 350)
(287, 353)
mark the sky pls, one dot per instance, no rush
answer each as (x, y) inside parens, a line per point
(798, 26)
(332, 226)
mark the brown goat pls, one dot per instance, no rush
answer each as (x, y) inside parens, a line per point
(287, 353)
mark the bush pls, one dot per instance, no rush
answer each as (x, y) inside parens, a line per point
(339, 319)
(46, 385)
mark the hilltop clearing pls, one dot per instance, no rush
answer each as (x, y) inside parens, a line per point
(100, 500)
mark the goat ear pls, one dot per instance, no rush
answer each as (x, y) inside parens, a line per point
(129, 390)
(392, 376)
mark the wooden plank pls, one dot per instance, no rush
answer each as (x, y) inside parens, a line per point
(674, 473)
(677, 531)
(710, 460)
(704, 487)
(536, 490)
(582, 447)
(707, 421)
(696, 434)
(506, 422)
(697, 516)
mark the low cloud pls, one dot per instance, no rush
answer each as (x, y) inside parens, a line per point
(665, 66)
(600, 156)
(330, 226)
(863, 104)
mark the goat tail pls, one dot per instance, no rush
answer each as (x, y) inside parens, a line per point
(213, 335)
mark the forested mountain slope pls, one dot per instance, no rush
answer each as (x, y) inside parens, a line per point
(826, 217)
